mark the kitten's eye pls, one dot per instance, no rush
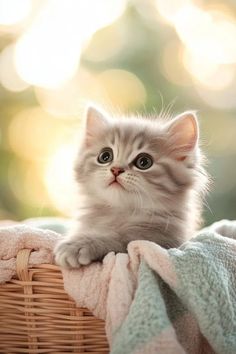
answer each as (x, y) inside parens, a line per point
(143, 161)
(105, 156)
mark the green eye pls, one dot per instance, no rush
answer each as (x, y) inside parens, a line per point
(143, 161)
(105, 156)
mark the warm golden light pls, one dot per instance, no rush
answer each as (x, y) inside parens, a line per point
(33, 134)
(169, 9)
(155, 56)
(9, 78)
(221, 99)
(172, 64)
(13, 11)
(28, 186)
(210, 75)
(70, 99)
(105, 44)
(48, 52)
(209, 47)
(122, 89)
(210, 35)
(59, 179)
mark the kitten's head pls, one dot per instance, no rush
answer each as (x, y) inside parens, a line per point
(139, 162)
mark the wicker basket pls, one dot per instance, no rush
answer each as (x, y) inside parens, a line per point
(37, 316)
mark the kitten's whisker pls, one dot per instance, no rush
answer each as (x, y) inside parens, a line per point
(139, 199)
(136, 204)
(162, 104)
(169, 108)
(152, 208)
(205, 203)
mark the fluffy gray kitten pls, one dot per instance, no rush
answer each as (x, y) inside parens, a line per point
(140, 179)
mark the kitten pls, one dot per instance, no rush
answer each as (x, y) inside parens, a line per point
(141, 179)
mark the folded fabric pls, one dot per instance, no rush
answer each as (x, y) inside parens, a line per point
(153, 300)
(16, 237)
(192, 303)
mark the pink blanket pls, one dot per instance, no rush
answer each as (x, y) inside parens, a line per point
(107, 289)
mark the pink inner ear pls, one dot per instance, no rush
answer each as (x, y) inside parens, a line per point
(183, 132)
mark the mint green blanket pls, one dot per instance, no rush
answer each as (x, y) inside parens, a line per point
(198, 313)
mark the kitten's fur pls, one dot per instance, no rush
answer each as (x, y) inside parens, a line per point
(161, 204)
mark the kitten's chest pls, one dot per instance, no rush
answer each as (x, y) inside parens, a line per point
(119, 219)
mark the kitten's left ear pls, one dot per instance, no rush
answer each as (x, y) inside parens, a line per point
(96, 123)
(184, 133)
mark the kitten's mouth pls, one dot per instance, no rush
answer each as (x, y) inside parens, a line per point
(116, 183)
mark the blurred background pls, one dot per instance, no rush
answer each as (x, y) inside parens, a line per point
(133, 56)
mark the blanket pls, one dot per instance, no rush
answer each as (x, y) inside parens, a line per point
(189, 306)
(153, 300)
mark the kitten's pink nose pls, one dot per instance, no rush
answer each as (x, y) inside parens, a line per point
(117, 171)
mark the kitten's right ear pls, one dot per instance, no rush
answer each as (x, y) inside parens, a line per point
(96, 123)
(183, 134)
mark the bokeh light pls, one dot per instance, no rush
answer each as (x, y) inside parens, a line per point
(59, 179)
(174, 69)
(105, 44)
(13, 11)
(9, 77)
(208, 74)
(48, 53)
(122, 88)
(138, 56)
(70, 99)
(209, 34)
(33, 134)
(27, 185)
(170, 9)
(209, 46)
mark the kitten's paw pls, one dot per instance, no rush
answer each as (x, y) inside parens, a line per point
(73, 254)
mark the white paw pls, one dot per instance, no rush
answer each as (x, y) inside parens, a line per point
(73, 254)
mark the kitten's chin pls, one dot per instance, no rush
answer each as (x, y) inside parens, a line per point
(114, 195)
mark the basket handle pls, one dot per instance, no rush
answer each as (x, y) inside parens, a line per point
(22, 262)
